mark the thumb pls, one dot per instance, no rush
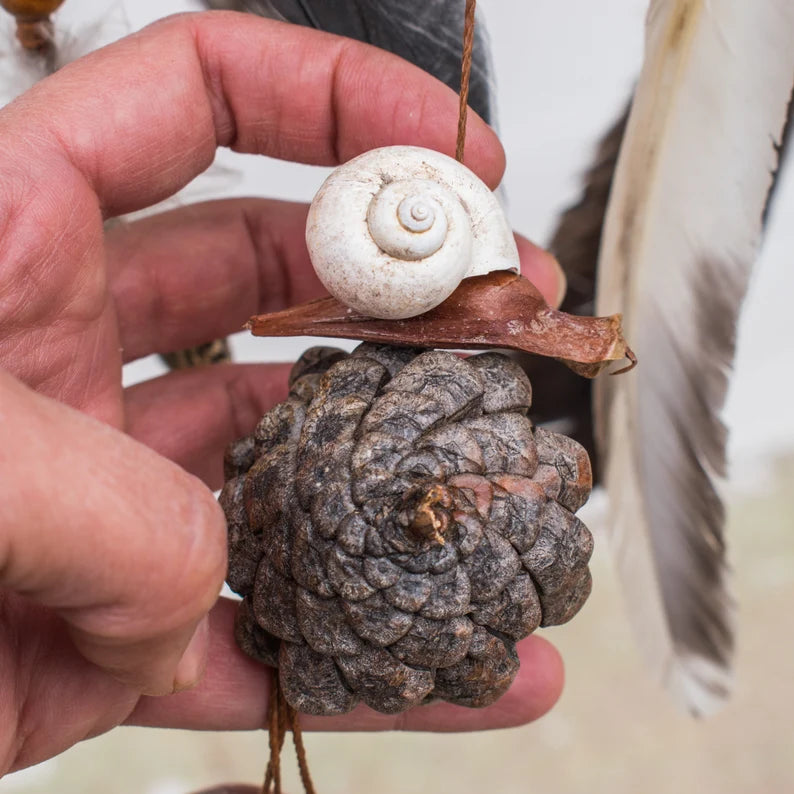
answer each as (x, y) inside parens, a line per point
(125, 546)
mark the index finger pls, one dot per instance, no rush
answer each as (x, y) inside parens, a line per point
(143, 117)
(234, 692)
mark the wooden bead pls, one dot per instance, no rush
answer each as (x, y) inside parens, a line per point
(31, 10)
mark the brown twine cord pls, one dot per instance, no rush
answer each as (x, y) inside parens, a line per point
(465, 75)
(300, 750)
(281, 718)
(276, 731)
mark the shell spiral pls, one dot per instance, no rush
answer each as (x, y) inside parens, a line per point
(407, 221)
(394, 231)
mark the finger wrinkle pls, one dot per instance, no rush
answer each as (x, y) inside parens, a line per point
(417, 113)
(36, 648)
(38, 229)
(198, 272)
(62, 360)
(253, 232)
(136, 290)
(190, 581)
(335, 104)
(212, 72)
(313, 133)
(23, 661)
(299, 124)
(88, 383)
(242, 405)
(272, 267)
(129, 166)
(271, 261)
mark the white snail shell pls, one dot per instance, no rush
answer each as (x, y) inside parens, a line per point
(393, 232)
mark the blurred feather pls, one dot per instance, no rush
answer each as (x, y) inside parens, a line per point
(577, 236)
(682, 231)
(429, 33)
(564, 403)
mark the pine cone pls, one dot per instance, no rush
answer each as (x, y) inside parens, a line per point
(397, 524)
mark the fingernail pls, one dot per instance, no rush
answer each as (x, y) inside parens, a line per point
(191, 666)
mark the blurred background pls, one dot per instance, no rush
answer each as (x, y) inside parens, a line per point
(564, 69)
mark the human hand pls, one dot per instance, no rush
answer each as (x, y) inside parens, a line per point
(112, 548)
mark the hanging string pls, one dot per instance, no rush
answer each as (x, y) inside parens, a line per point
(300, 750)
(281, 718)
(465, 75)
(277, 728)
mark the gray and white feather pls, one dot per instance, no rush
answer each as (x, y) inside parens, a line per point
(682, 231)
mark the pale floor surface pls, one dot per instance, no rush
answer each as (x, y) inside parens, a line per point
(613, 731)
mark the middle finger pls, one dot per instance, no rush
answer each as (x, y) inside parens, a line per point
(198, 272)
(191, 415)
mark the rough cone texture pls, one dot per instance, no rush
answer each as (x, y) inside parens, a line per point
(397, 524)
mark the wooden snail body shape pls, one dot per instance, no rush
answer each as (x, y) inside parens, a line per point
(392, 233)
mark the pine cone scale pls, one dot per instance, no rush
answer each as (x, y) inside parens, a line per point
(434, 643)
(455, 448)
(274, 601)
(384, 683)
(313, 683)
(450, 596)
(324, 625)
(377, 621)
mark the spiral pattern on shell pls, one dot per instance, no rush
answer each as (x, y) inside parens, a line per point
(394, 231)
(397, 524)
(406, 220)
